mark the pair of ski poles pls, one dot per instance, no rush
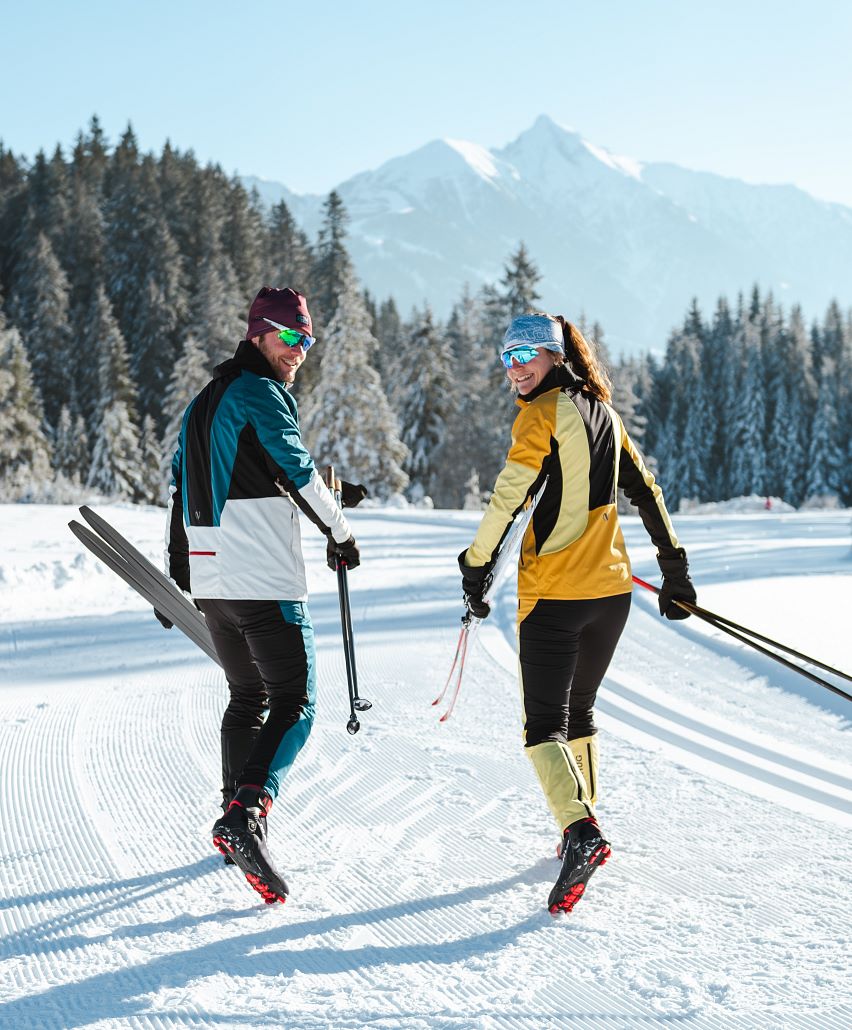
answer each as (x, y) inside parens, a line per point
(746, 636)
(356, 703)
(750, 637)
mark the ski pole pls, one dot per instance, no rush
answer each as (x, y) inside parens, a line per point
(742, 633)
(470, 624)
(355, 702)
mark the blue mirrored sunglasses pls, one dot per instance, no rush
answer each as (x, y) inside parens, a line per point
(292, 337)
(523, 353)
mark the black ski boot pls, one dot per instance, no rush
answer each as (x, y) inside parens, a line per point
(583, 850)
(237, 744)
(241, 835)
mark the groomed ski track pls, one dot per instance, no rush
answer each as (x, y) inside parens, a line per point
(419, 855)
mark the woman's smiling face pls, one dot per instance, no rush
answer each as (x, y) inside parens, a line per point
(525, 378)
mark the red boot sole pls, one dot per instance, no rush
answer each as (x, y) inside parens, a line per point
(576, 891)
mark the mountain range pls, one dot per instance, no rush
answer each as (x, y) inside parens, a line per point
(626, 243)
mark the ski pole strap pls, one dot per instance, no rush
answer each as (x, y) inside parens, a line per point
(742, 633)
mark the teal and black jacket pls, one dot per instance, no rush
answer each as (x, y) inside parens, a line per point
(239, 477)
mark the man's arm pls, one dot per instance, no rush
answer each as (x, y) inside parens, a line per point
(177, 545)
(289, 462)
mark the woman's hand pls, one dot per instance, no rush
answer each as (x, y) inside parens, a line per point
(475, 582)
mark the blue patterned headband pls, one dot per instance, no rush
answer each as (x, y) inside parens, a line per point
(536, 331)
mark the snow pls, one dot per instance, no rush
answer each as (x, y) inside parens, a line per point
(419, 855)
(478, 157)
(626, 165)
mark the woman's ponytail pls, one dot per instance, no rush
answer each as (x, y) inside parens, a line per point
(581, 356)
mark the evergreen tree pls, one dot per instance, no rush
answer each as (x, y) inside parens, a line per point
(117, 458)
(107, 375)
(84, 250)
(844, 411)
(24, 449)
(348, 422)
(332, 270)
(390, 358)
(244, 237)
(13, 207)
(189, 377)
(520, 283)
(289, 257)
(471, 440)
(145, 279)
(825, 457)
(626, 376)
(39, 307)
(71, 448)
(91, 158)
(426, 403)
(150, 488)
(48, 201)
(219, 310)
(722, 396)
(748, 435)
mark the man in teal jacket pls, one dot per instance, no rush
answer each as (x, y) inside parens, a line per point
(240, 476)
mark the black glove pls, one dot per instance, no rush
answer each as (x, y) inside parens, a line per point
(677, 586)
(163, 621)
(347, 552)
(351, 494)
(475, 581)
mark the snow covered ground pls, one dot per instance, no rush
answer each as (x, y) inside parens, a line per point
(420, 856)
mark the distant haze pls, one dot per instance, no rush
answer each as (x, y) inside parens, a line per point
(624, 242)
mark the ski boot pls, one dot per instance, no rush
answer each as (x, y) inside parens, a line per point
(241, 835)
(228, 797)
(583, 850)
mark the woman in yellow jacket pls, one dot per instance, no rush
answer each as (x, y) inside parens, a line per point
(574, 578)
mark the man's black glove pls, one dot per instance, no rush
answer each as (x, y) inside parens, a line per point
(163, 621)
(347, 552)
(475, 581)
(677, 586)
(351, 494)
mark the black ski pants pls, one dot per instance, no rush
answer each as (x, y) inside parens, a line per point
(267, 651)
(564, 649)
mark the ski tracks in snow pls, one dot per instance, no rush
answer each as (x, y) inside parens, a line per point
(418, 854)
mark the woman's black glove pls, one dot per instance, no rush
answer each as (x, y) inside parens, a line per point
(347, 552)
(677, 586)
(351, 494)
(475, 581)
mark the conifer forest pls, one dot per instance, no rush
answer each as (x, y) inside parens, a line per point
(125, 277)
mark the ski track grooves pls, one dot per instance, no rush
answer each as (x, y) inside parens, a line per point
(417, 853)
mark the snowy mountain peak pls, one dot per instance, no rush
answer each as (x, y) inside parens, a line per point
(544, 137)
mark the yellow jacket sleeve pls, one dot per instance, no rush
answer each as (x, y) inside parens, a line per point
(531, 445)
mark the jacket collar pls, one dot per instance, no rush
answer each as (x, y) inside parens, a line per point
(247, 357)
(560, 377)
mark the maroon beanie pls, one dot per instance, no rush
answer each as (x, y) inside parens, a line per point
(286, 307)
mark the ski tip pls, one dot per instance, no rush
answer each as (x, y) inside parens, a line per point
(444, 717)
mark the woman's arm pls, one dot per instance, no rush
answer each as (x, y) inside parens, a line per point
(531, 446)
(644, 493)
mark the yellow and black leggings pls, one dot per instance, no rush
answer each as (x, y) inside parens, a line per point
(564, 650)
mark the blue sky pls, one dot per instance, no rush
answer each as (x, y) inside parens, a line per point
(311, 94)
